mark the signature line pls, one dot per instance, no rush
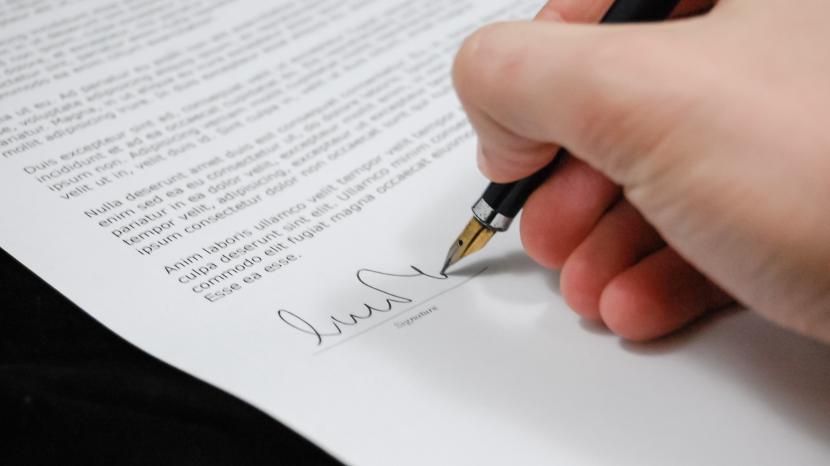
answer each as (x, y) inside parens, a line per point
(399, 314)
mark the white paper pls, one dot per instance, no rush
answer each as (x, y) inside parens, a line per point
(282, 159)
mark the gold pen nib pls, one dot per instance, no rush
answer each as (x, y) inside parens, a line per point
(472, 239)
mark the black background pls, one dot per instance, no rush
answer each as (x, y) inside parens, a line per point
(72, 392)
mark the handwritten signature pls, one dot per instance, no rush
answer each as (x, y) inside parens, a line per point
(388, 301)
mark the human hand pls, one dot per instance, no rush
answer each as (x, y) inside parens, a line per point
(701, 166)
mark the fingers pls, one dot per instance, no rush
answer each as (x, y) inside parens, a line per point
(619, 241)
(549, 13)
(528, 86)
(563, 210)
(567, 205)
(591, 11)
(657, 296)
(616, 266)
(575, 11)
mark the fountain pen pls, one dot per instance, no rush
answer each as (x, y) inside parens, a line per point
(501, 202)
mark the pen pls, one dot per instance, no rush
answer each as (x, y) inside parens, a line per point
(501, 202)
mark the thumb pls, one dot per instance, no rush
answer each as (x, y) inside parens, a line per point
(609, 94)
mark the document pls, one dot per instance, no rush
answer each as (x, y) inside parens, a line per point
(262, 194)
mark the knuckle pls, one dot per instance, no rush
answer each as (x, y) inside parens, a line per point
(634, 103)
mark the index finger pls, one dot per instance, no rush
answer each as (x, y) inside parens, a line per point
(591, 11)
(574, 11)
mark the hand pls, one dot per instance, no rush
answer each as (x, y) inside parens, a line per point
(701, 157)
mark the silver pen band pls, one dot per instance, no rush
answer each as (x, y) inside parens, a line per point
(489, 217)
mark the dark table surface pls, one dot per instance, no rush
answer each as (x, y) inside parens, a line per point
(72, 392)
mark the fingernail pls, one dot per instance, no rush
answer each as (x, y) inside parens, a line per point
(549, 13)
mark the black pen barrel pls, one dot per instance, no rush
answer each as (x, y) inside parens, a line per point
(637, 11)
(508, 198)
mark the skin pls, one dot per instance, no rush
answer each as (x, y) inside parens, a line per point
(701, 155)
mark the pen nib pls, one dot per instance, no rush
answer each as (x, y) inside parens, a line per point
(472, 239)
